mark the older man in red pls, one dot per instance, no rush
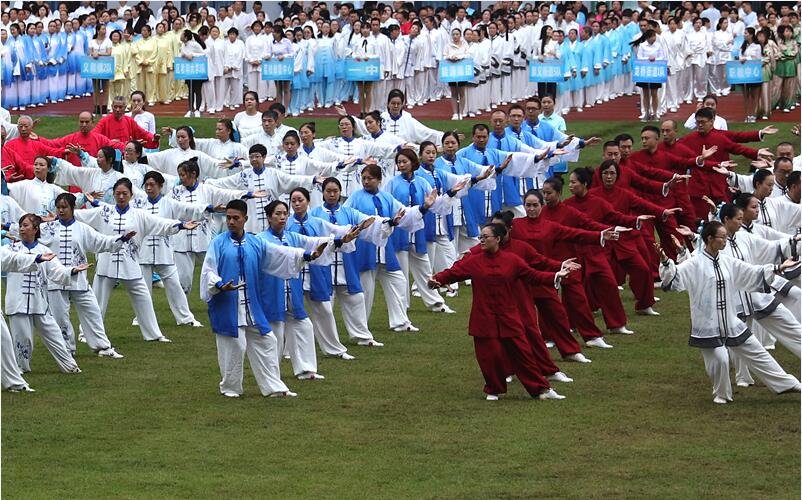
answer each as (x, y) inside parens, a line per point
(90, 140)
(18, 153)
(709, 183)
(124, 128)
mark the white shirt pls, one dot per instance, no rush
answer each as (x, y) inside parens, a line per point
(146, 120)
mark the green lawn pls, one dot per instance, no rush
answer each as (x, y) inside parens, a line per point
(405, 421)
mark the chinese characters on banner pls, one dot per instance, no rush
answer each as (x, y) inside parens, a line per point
(645, 71)
(195, 69)
(456, 71)
(362, 71)
(273, 69)
(744, 72)
(548, 71)
(101, 68)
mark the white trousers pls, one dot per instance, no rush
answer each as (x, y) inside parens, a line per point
(417, 265)
(394, 284)
(262, 356)
(698, 81)
(354, 315)
(22, 326)
(674, 91)
(256, 84)
(297, 338)
(442, 253)
(792, 301)
(462, 242)
(140, 300)
(780, 324)
(208, 96)
(11, 377)
(718, 79)
(172, 288)
(89, 317)
(233, 91)
(325, 327)
(757, 359)
(185, 263)
(219, 93)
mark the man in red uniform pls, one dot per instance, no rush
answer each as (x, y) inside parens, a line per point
(709, 183)
(124, 128)
(90, 140)
(18, 153)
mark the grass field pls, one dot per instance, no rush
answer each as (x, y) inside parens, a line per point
(405, 421)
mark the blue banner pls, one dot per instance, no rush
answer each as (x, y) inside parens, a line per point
(736, 46)
(548, 71)
(195, 69)
(363, 71)
(101, 68)
(456, 71)
(645, 71)
(744, 72)
(273, 69)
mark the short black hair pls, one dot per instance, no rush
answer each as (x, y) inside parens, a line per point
(238, 205)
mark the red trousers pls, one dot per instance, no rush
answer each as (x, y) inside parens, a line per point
(576, 303)
(491, 353)
(640, 280)
(602, 290)
(553, 321)
(545, 364)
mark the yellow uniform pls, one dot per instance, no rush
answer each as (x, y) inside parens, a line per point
(146, 55)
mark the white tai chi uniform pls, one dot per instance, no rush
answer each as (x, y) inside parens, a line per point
(89, 178)
(157, 253)
(123, 264)
(35, 196)
(217, 149)
(11, 376)
(237, 316)
(360, 148)
(27, 308)
(190, 245)
(712, 283)
(167, 162)
(273, 180)
(72, 241)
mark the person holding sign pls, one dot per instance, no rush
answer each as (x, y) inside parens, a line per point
(750, 51)
(280, 47)
(99, 46)
(455, 51)
(193, 47)
(649, 49)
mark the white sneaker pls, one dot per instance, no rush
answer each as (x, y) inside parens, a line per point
(657, 299)
(109, 353)
(620, 288)
(197, 114)
(743, 383)
(81, 338)
(409, 327)
(598, 342)
(21, 388)
(310, 376)
(509, 379)
(623, 330)
(370, 343)
(230, 394)
(158, 284)
(135, 322)
(770, 347)
(491, 397)
(452, 293)
(719, 400)
(164, 339)
(658, 284)
(194, 324)
(647, 312)
(188, 115)
(577, 358)
(549, 344)
(467, 282)
(415, 293)
(283, 394)
(550, 394)
(443, 308)
(346, 357)
(560, 377)
(454, 117)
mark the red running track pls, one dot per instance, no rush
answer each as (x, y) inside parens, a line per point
(625, 108)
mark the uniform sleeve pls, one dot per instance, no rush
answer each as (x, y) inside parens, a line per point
(282, 262)
(56, 271)
(92, 217)
(751, 278)
(287, 182)
(209, 279)
(460, 271)
(153, 225)
(100, 243)
(233, 181)
(13, 262)
(673, 276)
(220, 196)
(84, 177)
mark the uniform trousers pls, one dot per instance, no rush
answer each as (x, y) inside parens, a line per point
(11, 376)
(640, 280)
(417, 264)
(602, 292)
(89, 317)
(219, 93)
(718, 79)
(146, 82)
(25, 87)
(163, 87)
(757, 359)
(140, 300)
(442, 253)
(539, 350)
(698, 82)
(262, 356)
(394, 285)
(296, 337)
(185, 263)
(494, 353)
(256, 84)
(325, 326)
(208, 96)
(553, 321)
(783, 326)
(172, 287)
(353, 312)
(233, 91)
(22, 326)
(792, 301)
(673, 95)
(576, 304)
(462, 242)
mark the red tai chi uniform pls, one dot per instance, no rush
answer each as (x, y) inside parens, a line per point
(125, 129)
(496, 324)
(560, 242)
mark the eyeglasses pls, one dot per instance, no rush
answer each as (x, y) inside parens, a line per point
(483, 237)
